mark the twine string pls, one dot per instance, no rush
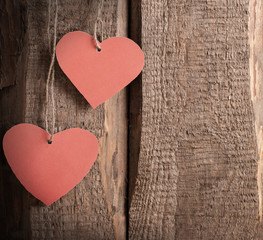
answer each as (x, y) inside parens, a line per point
(98, 19)
(51, 74)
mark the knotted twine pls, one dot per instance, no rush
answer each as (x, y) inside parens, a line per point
(98, 19)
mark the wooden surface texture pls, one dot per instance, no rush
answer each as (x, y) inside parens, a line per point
(180, 148)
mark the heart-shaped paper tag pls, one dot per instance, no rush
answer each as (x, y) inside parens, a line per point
(98, 75)
(49, 171)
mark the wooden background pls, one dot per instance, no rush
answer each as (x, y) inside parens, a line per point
(180, 148)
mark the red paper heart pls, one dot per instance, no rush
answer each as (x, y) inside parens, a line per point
(49, 171)
(99, 75)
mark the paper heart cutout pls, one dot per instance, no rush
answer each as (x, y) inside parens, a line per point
(98, 75)
(49, 171)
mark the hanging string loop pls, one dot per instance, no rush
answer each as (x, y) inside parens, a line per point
(51, 74)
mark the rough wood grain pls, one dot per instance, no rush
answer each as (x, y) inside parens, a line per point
(95, 208)
(198, 156)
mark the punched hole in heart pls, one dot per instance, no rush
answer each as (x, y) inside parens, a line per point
(49, 141)
(98, 49)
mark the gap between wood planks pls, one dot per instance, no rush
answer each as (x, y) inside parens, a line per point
(134, 106)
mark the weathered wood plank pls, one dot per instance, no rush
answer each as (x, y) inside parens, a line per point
(198, 157)
(13, 13)
(256, 86)
(14, 214)
(95, 208)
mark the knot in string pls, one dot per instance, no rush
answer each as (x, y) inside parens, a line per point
(98, 19)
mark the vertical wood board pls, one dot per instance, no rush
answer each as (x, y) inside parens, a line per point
(198, 154)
